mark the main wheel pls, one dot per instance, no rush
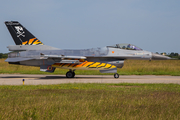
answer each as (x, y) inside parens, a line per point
(70, 74)
(116, 75)
(73, 74)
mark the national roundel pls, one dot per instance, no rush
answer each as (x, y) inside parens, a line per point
(50, 68)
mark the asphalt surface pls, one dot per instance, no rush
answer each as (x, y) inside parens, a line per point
(16, 79)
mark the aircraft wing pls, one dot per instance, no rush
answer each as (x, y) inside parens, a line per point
(64, 57)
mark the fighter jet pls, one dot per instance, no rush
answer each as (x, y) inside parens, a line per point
(30, 51)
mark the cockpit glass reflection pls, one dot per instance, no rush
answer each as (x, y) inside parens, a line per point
(126, 46)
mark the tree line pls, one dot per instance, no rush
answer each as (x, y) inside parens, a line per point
(172, 55)
(3, 55)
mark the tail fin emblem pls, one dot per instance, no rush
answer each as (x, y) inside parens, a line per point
(20, 31)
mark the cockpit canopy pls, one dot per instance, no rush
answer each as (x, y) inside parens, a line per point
(125, 46)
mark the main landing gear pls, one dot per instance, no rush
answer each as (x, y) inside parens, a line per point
(70, 74)
(116, 75)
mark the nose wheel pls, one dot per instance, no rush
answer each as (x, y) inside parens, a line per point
(116, 75)
(70, 74)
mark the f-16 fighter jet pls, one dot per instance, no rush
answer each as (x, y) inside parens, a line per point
(30, 51)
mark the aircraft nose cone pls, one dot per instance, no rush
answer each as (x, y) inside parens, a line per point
(159, 57)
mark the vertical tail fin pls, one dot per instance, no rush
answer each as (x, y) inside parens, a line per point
(21, 35)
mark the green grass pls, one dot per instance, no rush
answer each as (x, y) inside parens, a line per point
(131, 67)
(91, 101)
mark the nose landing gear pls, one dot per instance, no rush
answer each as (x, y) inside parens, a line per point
(70, 74)
(116, 75)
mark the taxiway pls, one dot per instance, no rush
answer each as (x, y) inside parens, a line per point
(16, 79)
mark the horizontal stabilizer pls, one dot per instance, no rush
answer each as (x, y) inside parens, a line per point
(17, 59)
(30, 47)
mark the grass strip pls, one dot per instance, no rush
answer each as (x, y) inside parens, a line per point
(131, 67)
(90, 101)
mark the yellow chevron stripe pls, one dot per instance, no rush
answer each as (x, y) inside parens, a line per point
(94, 65)
(101, 65)
(31, 40)
(108, 65)
(88, 63)
(37, 42)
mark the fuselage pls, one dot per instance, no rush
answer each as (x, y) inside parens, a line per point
(109, 55)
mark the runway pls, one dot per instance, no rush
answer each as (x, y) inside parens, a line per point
(16, 79)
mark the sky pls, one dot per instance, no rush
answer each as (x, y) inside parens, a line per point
(153, 25)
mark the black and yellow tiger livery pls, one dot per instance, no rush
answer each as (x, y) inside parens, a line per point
(85, 65)
(33, 41)
(21, 35)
